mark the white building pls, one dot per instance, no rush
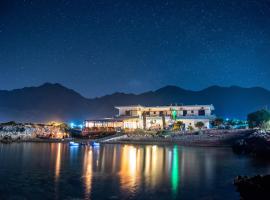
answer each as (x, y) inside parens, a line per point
(158, 118)
(161, 117)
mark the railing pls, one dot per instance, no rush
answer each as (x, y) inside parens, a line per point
(196, 117)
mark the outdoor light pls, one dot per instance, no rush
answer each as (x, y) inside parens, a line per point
(72, 125)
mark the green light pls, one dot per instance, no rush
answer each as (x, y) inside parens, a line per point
(175, 176)
(174, 114)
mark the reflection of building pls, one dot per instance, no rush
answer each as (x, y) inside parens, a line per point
(160, 117)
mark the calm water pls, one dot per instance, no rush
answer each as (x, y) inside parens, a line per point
(57, 171)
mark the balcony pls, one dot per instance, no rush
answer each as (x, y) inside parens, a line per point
(197, 117)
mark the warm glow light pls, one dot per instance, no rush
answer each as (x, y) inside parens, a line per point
(87, 171)
(128, 167)
(58, 162)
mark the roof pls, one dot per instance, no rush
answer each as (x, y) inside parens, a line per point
(131, 106)
(116, 119)
(165, 107)
(104, 120)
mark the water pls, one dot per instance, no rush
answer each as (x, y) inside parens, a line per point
(58, 171)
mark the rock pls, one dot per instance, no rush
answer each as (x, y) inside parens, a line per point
(6, 140)
(14, 132)
(257, 187)
(257, 144)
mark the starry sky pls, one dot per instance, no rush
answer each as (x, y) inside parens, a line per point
(100, 47)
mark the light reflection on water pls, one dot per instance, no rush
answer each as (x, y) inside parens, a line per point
(175, 176)
(58, 171)
(87, 171)
(58, 161)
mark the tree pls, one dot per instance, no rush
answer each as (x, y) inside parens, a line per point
(256, 119)
(199, 125)
(218, 122)
(178, 126)
(11, 123)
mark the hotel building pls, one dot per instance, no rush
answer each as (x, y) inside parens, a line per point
(154, 118)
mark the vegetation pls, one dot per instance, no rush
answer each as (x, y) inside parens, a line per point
(220, 123)
(258, 118)
(190, 128)
(217, 122)
(265, 125)
(11, 123)
(178, 126)
(199, 125)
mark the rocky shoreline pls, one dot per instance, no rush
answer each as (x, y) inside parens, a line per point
(256, 144)
(251, 188)
(46, 133)
(211, 138)
(14, 132)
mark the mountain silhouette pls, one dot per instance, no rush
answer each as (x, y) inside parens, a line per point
(55, 102)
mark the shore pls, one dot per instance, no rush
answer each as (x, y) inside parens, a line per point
(214, 138)
(210, 138)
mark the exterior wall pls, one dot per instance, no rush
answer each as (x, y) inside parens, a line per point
(134, 110)
(133, 124)
(103, 124)
(160, 117)
(192, 122)
(165, 110)
(154, 123)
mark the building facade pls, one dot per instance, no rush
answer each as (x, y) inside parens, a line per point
(157, 118)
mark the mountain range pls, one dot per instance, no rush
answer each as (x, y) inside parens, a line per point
(55, 102)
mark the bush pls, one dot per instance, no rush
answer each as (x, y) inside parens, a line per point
(199, 125)
(190, 128)
(217, 122)
(11, 123)
(265, 126)
(178, 126)
(256, 119)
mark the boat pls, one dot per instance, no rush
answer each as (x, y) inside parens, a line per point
(95, 144)
(74, 144)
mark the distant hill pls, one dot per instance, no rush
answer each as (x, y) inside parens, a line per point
(56, 102)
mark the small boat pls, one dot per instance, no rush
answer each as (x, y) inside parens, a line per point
(95, 144)
(83, 144)
(73, 144)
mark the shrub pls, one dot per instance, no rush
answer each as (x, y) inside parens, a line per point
(190, 128)
(199, 125)
(265, 125)
(178, 126)
(256, 119)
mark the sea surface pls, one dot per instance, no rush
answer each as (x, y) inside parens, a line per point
(112, 171)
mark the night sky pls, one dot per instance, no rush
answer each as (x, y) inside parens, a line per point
(102, 46)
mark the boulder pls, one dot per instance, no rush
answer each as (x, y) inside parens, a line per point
(251, 188)
(257, 144)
